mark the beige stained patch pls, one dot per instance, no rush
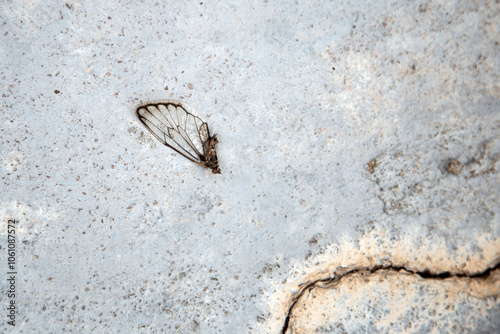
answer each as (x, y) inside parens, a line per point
(296, 296)
(391, 301)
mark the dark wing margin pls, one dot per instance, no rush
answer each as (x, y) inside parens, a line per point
(170, 123)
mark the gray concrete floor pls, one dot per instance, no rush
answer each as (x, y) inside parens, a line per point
(359, 149)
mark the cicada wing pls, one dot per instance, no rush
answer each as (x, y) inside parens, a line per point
(174, 127)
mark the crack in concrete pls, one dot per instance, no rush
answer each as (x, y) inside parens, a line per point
(343, 273)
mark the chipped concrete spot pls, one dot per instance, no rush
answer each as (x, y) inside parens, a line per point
(454, 167)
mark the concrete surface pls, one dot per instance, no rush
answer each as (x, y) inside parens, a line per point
(399, 302)
(357, 138)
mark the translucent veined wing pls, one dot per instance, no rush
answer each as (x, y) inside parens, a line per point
(180, 130)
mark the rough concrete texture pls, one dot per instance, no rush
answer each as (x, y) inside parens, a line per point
(359, 152)
(390, 301)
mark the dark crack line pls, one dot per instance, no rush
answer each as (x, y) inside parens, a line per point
(426, 274)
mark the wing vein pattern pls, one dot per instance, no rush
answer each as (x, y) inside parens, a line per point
(176, 128)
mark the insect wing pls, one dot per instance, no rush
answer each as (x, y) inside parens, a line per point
(173, 126)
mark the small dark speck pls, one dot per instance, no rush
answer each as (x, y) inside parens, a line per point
(333, 68)
(371, 166)
(56, 91)
(454, 167)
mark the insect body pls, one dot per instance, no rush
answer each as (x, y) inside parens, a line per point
(183, 132)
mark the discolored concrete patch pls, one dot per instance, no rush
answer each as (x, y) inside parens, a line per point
(398, 301)
(355, 287)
